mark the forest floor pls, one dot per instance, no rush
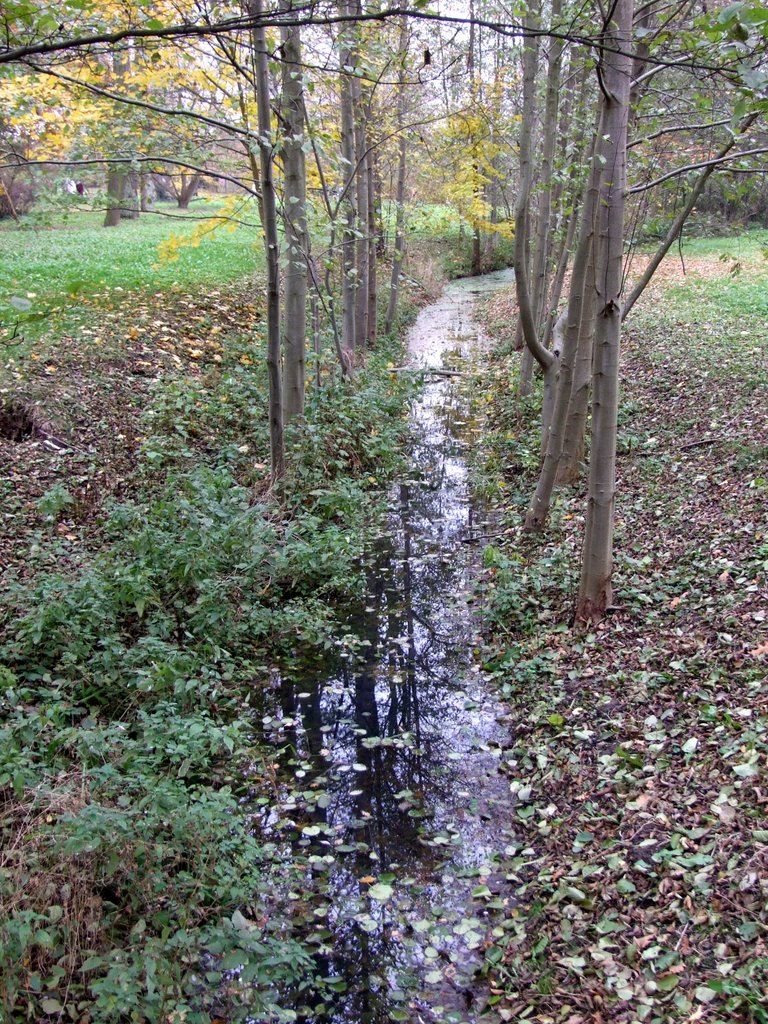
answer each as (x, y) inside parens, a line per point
(639, 759)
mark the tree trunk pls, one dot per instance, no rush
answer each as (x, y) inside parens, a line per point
(349, 199)
(115, 186)
(543, 245)
(399, 251)
(543, 357)
(595, 590)
(145, 192)
(540, 503)
(361, 188)
(129, 210)
(294, 219)
(373, 234)
(572, 455)
(189, 186)
(566, 248)
(525, 381)
(269, 228)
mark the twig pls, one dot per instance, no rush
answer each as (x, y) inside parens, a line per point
(703, 441)
(435, 370)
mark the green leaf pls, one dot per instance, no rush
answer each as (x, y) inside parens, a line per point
(667, 982)
(380, 892)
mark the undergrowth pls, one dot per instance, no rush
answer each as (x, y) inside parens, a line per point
(638, 756)
(136, 882)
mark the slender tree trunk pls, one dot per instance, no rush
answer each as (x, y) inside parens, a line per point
(595, 590)
(348, 157)
(361, 188)
(540, 503)
(129, 208)
(144, 200)
(186, 193)
(543, 245)
(361, 109)
(556, 291)
(373, 235)
(271, 243)
(476, 265)
(294, 219)
(572, 455)
(526, 314)
(399, 251)
(115, 186)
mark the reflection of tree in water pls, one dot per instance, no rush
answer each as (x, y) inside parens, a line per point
(403, 689)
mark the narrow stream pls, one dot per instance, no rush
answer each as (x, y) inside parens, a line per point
(397, 746)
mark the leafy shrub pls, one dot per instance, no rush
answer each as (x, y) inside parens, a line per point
(136, 883)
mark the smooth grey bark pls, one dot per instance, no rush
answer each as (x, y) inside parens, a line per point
(115, 187)
(595, 589)
(145, 193)
(399, 249)
(526, 313)
(556, 290)
(271, 243)
(130, 207)
(525, 381)
(186, 191)
(348, 158)
(372, 235)
(361, 189)
(542, 497)
(572, 456)
(543, 232)
(398, 255)
(476, 265)
(294, 220)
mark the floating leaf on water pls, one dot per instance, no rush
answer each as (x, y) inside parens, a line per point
(380, 892)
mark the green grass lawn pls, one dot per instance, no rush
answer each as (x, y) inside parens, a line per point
(65, 268)
(746, 245)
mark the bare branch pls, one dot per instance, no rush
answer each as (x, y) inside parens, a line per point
(714, 162)
(22, 162)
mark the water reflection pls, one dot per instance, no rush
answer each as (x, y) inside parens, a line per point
(401, 739)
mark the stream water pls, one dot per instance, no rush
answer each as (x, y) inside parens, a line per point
(396, 748)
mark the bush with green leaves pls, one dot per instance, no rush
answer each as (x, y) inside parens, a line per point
(136, 880)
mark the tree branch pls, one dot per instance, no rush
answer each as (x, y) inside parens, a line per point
(716, 161)
(22, 162)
